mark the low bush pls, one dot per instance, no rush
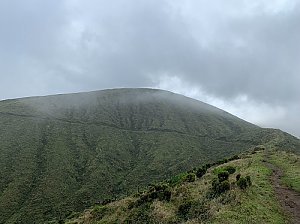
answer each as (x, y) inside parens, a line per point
(230, 169)
(190, 177)
(220, 187)
(244, 182)
(221, 161)
(249, 182)
(201, 171)
(207, 166)
(224, 186)
(235, 157)
(223, 175)
(106, 201)
(238, 176)
(176, 180)
(161, 192)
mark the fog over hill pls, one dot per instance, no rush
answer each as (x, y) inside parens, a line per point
(239, 56)
(63, 153)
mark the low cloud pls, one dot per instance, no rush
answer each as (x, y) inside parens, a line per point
(241, 56)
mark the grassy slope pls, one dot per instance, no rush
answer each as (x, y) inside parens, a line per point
(257, 204)
(290, 164)
(64, 153)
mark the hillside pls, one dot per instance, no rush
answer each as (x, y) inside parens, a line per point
(262, 199)
(64, 153)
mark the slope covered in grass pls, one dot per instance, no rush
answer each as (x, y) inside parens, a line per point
(64, 153)
(194, 202)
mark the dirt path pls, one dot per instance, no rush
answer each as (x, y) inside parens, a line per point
(288, 198)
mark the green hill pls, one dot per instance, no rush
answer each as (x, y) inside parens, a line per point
(249, 199)
(64, 153)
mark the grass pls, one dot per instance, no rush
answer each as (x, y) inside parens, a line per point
(257, 204)
(193, 203)
(290, 164)
(62, 154)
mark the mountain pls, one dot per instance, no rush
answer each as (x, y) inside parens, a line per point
(64, 153)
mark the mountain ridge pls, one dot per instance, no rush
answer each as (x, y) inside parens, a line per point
(66, 152)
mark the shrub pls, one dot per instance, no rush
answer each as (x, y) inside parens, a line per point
(164, 195)
(258, 148)
(190, 177)
(220, 187)
(214, 183)
(238, 176)
(159, 187)
(244, 182)
(235, 157)
(201, 171)
(224, 186)
(230, 169)
(207, 166)
(158, 191)
(223, 175)
(248, 179)
(176, 180)
(106, 201)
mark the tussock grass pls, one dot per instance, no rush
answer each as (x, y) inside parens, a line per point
(191, 202)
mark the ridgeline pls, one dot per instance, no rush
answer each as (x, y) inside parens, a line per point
(62, 154)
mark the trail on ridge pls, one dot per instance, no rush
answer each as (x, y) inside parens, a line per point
(288, 198)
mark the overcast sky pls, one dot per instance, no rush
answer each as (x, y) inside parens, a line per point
(240, 55)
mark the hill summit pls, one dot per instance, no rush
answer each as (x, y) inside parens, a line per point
(64, 153)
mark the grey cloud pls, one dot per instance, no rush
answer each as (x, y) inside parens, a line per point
(226, 48)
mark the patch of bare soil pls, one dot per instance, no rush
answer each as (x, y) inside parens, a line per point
(288, 198)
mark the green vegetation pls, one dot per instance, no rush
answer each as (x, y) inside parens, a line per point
(62, 154)
(290, 164)
(192, 202)
(244, 182)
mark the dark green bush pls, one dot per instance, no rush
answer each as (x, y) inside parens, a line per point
(190, 177)
(201, 171)
(249, 182)
(106, 201)
(176, 180)
(238, 176)
(207, 166)
(158, 187)
(235, 157)
(164, 195)
(214, 183)
(221, 161)
(161, 192)
(244, 182)
(230, 169)
(220, 187)
(223, 175)
(224, 186)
